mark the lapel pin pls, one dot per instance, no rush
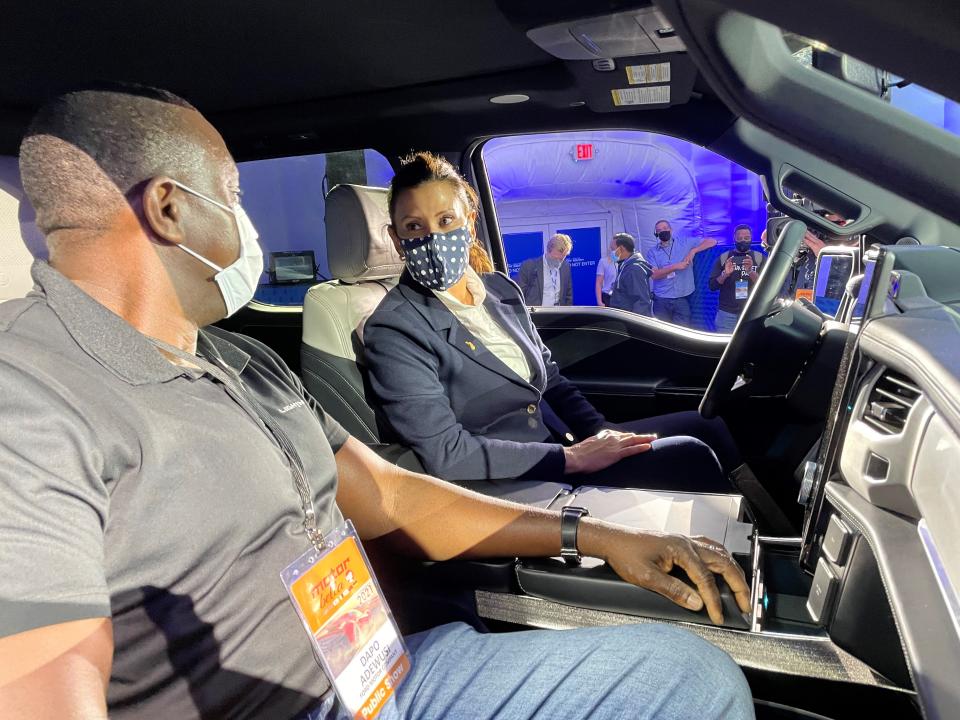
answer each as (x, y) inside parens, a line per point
(471, 346)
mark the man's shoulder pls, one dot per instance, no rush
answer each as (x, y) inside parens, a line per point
(531, 262)
(31, 333)
(11, 311)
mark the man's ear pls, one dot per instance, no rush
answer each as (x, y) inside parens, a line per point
(396, 241)
(163, 209)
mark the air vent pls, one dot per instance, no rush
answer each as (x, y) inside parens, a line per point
(889, 403)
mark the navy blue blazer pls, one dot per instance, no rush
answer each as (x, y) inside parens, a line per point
(530, 280)
(465, 414)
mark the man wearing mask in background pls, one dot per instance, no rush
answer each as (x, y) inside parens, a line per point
(800, 280)
(734, 274)
(606, 275)
(546, 280)
(631, 289)
(673, 281)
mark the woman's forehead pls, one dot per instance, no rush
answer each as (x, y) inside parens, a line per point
(429, 198)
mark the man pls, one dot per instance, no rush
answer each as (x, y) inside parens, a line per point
(673, 282)
(734, 274)
(606, 275)
(631, 289)
(155, 478)
(545, 280)
(800, 279)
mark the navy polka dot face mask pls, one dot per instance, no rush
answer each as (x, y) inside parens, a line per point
(437, 261)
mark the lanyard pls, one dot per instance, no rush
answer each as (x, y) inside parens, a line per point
(660, 249)
(234, 387)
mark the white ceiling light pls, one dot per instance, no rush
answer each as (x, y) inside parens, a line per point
(509, 99)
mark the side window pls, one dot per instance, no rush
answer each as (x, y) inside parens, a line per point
(566, 202)
(284, 198)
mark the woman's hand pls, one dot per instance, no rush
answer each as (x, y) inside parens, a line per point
(645, 559)
(604, 449)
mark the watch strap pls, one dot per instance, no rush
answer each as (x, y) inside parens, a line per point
(569, 526)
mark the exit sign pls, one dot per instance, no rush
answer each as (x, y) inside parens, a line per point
(584, 152)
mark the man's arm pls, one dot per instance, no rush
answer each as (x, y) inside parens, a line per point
(525, 278)
(659, 273)
(429, 518)
(56, 672)
(705, 245)
(567, 276)
(599, 288)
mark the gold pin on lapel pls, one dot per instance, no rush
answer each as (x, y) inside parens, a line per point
(471, 346)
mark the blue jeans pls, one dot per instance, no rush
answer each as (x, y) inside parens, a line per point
(672, 310)
(726, 321)
(598, 673)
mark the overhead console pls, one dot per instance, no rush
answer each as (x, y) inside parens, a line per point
(622, 61)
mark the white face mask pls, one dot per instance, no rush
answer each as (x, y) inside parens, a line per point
(238, 281)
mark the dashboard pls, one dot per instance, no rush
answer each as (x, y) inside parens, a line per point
(881, 535)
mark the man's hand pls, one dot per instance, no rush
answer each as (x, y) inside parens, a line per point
(682, 265)
(604, 449)
(729, 267)
(747, 263)
(645, 559)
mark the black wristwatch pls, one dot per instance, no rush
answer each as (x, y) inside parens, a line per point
(569, 523)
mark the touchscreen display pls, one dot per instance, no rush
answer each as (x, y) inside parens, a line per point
(833, 272)
(292, 267)
(864, 294)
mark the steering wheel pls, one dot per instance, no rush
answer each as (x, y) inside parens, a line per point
(761, 303)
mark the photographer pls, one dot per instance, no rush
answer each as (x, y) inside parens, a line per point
(733, 275)
(801, 278)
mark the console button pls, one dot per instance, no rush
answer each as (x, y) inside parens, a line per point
(821, 591)
(836, 543)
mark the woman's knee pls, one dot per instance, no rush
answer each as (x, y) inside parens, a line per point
(688, 453)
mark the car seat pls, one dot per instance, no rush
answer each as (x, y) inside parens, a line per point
(15, 255)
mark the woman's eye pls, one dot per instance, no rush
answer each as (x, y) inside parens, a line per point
(413, 227)
(446, 220)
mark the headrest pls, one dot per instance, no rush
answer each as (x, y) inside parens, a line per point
(19, 237)
(358, 244)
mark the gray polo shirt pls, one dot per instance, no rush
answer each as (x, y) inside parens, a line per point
(142, 491)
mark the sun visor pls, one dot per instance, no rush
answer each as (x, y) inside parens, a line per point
(637, 32)
(636, 83)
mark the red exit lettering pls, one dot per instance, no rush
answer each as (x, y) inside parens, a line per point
(584, 151)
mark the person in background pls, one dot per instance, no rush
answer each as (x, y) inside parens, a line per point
(606, 274)
(673, 282)
(631, 289)
(804, 269)
(734, 274)
(546, 280)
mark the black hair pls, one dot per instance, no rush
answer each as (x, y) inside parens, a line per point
(86, 149)
(625, 240)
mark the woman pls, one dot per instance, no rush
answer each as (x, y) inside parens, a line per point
(462, 376)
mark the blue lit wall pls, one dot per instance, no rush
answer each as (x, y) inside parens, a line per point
(635, 179)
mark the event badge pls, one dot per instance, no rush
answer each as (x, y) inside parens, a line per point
(804, 294)
(741, 289)
(353, 632)
(672, 275)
